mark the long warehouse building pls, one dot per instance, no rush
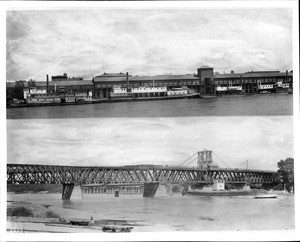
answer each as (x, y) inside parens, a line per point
(205, 82)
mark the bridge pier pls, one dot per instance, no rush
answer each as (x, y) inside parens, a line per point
(67, 191)
(150, 189)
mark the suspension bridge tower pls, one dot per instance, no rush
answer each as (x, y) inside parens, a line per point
(205, 160)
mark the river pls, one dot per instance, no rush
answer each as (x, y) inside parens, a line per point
(176, 212)
(242, 105)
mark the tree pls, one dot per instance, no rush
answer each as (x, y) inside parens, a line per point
(31, 83)
(17, 91)
(286, 172)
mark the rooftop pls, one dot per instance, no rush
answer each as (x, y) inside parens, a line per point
(253, 74)
(52, 83)
(146, 78)
(112, 75)
(205, 67)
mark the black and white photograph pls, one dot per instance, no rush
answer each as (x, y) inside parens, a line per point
(129, 118)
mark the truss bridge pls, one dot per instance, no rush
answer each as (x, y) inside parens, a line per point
(148, 175)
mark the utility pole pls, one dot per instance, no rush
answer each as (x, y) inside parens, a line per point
(103, 66)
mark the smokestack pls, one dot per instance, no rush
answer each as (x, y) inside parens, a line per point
(287, 75)
(47, 83)
(127, 80)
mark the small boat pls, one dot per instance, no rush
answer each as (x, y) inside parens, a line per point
(208, 96)
(116, 229)
(265, 196)
(265, 92)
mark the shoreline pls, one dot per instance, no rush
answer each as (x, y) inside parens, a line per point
(106, 100)
(203, 223)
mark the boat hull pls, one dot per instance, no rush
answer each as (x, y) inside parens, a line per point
(24, 105)
(130, 99)
(223, 193)
(265, 196)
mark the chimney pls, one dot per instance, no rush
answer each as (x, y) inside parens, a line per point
(47, 83)
(127, 80)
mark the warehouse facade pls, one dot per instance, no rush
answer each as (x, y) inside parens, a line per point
(204, 82)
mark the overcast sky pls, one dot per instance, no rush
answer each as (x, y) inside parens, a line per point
(263, 141)
(146, 41)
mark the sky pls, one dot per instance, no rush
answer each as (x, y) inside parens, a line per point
(261, 140)
(146, 41)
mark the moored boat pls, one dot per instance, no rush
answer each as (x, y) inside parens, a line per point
(36, 98)
(265, 196)
(208, 96)
(265, 92)
(218, 189)
(228, 193)
(119, 93)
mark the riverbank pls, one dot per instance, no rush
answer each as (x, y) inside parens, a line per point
(41, 218)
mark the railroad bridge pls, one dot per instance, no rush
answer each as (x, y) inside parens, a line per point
(148, 175)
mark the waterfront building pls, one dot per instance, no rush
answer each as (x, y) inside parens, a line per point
(253, 81)
(205, 82)
(104, 85)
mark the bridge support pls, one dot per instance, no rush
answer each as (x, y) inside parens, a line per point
(67, 191)
(150, 189)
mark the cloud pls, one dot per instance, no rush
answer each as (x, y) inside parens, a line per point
(263, 141)
(152, 41)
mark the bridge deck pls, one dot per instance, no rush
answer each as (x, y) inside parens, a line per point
(27, 173)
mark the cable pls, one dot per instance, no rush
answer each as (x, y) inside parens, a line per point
(191, 161)
(187, 159)
(221, 160)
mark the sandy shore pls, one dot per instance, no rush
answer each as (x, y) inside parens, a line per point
(42, 224)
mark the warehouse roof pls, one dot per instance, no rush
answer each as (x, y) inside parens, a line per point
(52, 83)
(253, 74)
(112, 75)
(205, 67)
(147, 78)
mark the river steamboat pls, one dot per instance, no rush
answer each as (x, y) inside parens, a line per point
(34, 97)
(150, 93)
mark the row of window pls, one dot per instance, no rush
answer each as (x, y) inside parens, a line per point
(240, 81)
(193, 83)
(148, 84)
(44, 99)
(111, 190)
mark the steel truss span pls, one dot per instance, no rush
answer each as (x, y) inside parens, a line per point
(79, 175)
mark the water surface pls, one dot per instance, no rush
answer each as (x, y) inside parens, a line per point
(245, 105)
(175, 213)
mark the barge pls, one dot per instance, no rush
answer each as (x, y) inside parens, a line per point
(218, 189)
(228, 193)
